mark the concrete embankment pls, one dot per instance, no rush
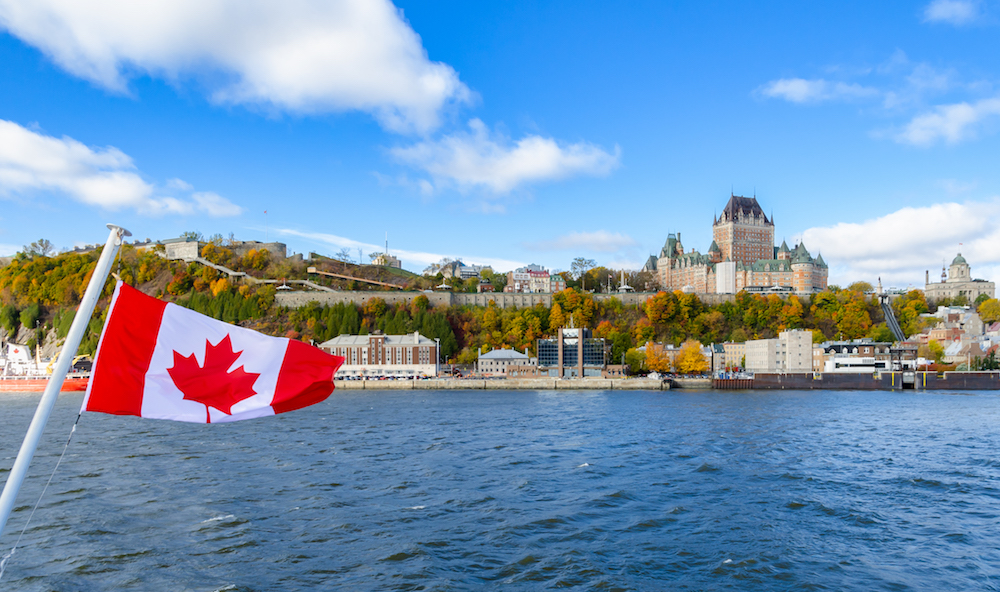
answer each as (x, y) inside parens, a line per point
(521, 384)
(929, 381)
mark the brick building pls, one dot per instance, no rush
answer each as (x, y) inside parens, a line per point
(409, 355)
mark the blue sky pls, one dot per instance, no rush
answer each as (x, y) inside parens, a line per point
(508, 132)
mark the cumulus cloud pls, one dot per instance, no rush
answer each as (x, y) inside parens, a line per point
(800, 90)
(421, 258)
(902, 245)
(105, 177)
(954, 12)
(950, 123)
(481, 159)
(300, 56)
(601, 241)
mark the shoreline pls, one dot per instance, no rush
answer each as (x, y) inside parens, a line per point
(887, 381)
(514, 384)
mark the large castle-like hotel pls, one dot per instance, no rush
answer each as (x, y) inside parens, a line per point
(742, 256)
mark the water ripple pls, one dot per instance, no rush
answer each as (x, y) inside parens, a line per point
(520, 490)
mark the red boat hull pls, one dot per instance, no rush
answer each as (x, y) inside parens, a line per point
(13, 384)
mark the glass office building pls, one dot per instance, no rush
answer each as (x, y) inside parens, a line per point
(572, 354)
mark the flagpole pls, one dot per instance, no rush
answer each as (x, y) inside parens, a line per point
(17, 473)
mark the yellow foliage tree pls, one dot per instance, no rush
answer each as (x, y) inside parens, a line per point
(989, 310)
(219, 286)
(690, 359)
(556, 317)
(657, 359)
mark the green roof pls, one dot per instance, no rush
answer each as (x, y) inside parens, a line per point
(959, 260)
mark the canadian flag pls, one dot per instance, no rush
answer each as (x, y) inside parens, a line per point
(160, 360)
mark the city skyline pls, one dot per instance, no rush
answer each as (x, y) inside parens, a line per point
(508, 134)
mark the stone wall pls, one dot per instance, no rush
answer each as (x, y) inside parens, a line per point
(510, 384)
(503, 300)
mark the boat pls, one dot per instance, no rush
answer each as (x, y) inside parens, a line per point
(19, 373)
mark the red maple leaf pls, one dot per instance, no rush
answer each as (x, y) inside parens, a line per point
(213, 385)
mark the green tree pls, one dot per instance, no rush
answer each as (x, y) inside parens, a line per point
(635, 360)
(881, 332)
(30, 315)
(936, 351)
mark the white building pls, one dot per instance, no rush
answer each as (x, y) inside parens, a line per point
(725, 277)
(791, 352)
(958, 282)
(531, 279)
(409, 355)
(497, 362)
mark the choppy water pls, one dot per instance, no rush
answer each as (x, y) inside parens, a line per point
(521, 491)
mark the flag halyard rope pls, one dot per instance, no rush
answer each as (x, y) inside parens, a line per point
(6, 558)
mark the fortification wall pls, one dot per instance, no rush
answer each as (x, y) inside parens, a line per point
(502, 299)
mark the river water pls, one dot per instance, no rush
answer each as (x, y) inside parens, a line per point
(421, 490)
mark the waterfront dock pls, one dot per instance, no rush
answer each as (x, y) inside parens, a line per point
(509, 384)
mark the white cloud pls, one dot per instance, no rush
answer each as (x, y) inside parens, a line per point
(951, 123)
(214, 204)
(902, 245)
(479, 159)
(9, 250)
(954, 187)
(601, 241)
(105, 177)
(954, 12)
(420, 258)
(298, 55)
(800, 90)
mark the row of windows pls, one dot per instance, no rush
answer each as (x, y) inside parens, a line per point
(389, 355)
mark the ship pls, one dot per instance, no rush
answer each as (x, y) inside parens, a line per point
(20, 373)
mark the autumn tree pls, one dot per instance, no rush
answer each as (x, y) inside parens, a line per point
(657, 359)
(908, 309)
(556, 318)
(853, 320)
(690, 360)
(933, 350)
(643, 330)
(661, 308)
(989, 310)
(374, 307)
(861, 288)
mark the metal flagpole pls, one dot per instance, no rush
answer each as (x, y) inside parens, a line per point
(80, 321)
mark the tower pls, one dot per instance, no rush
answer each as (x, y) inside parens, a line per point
(743, 232)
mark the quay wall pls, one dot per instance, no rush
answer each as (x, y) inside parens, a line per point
(510, 384)
(885, 381)
(502, 299)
